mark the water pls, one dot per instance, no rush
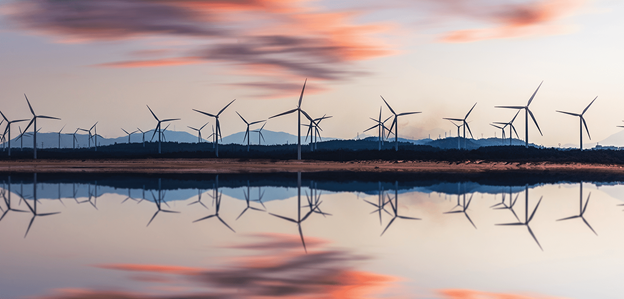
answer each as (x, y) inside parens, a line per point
(259, 236)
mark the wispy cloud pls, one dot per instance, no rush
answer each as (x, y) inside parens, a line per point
(287, 38)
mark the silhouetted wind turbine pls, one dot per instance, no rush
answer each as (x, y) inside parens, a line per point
(527, 219)
(259, 131)
(59, 134)
(7, 130)
(199, 137)
(395, 123)
(582, 209)
(380, 127)
(395, 208)
(464, 123)
(527, 112)
(313, 131)
(582, 121)
(129, 134)
(33, 122)
(247, 135)
(458, 134)
(502, 131)
(511, 127)
(74, 139)
(143, 133)
(299, 111)
(218, 131)
(157, 129)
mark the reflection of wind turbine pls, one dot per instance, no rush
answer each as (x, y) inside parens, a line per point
(33, 122)
(582, 122)
(159, 201)
(247, 135)
(7, 201)
(511, 127)
(217, 197)
(299, 219)
(464, 123)
(157, 129)
(381, 203)
(33, 208)
(512, 201)
(395, 207)
(527, 219)
(218, 131)
(395, 123)
(299, 111)
(464, 207)
(527, 112)
(582, 209)
(247, 194)
(8, 129)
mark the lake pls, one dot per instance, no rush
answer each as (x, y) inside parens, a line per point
(302, 235)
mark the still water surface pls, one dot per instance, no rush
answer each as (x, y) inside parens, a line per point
(290, 236)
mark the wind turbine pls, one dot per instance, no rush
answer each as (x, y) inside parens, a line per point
(502, 131)
(395, 123)
(464, 207)
(218, 132)
(526, 115)
(91, 135)
(259, 131)
(8, 128)
(129, 134)
(395, 207)
(313, 131)
(74, 139)
(511, 127)
(217, 197)
(199, 137)
(458, 134)
(33, 122)
(7, 201)
(247, 135)
(381, 203)
(247, 195)
(59, 133)
(464, 123)
(143, 133)
(299, 111)
(157, 129)
(582, 121)
(159, 201)
(33, 208)
(582, 209)
(380, 127)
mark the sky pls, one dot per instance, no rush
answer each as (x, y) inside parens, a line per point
(88, 61)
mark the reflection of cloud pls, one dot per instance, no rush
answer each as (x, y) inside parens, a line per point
(473, 294)
(507, 19)
(281, 269)
(285, 37)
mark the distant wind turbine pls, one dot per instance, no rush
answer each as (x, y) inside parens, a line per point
(143, 133)
(33, 122)
(502, 131)
(582, 121)
(299, 111)
(59, 133)
(395, 123)
(199, 136)
(259, 131)
(157, 129)
(458, 134)
(527, 112)
(464, 123)
(511, 127)
(7, 130)
(129, 134)
(313, 131)
(249, 124)
(218, 131)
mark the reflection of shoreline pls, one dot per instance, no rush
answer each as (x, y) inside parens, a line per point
(222, 166)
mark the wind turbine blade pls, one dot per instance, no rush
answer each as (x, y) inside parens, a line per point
(308, 117)
(470, 220)
(155, 131)
(535, 210)
(586, 129)
(585, 208)
(48, 117)
(201, 219)
(242, 118)
(387, 226)
(228, 105)
(206, 113)
(287, 112)
(533, 96)
(514, 129)
(468, 127)
(301, 235)
(301, 96)
(408, 113)
(256, 122)
(150, 109)
(375, 126)
(30, 224)
(204, 125)
(453, 119)
(125, 131)
(588, 106)
(535, 121)
(568, 218)
(510, 107)
(225, 223)
(28, 126)
(190, 128)
(169, 119)
(534, 238)
(470, 111)
(285, 218)
(589, 226)
(391, 110)
(29, 106)
(495, 126)
(569, 113)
